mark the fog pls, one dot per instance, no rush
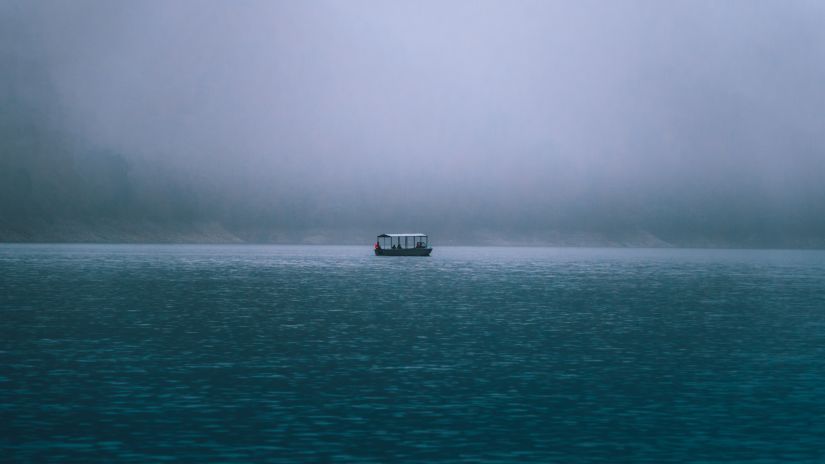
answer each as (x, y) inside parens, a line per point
(629, 123)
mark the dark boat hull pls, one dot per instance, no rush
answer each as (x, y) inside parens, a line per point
(403, 252)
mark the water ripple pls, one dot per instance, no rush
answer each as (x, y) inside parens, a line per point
(248, 353)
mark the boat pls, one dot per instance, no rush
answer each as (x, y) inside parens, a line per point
(403, 245)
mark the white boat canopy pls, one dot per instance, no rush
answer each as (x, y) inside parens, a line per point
(403, 245)
(419, 242)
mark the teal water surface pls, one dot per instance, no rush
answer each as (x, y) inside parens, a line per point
(329, 354)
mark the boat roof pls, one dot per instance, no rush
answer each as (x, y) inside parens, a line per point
(403, 235)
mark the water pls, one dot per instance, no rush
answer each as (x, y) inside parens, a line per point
(329, 354)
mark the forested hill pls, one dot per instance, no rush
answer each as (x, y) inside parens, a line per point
(55, 186)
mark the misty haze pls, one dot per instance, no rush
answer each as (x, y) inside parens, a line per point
(557, 123)
(459, 231)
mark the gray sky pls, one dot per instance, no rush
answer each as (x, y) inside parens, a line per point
(694, 118)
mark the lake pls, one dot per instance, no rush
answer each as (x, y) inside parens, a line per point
(137, 353)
